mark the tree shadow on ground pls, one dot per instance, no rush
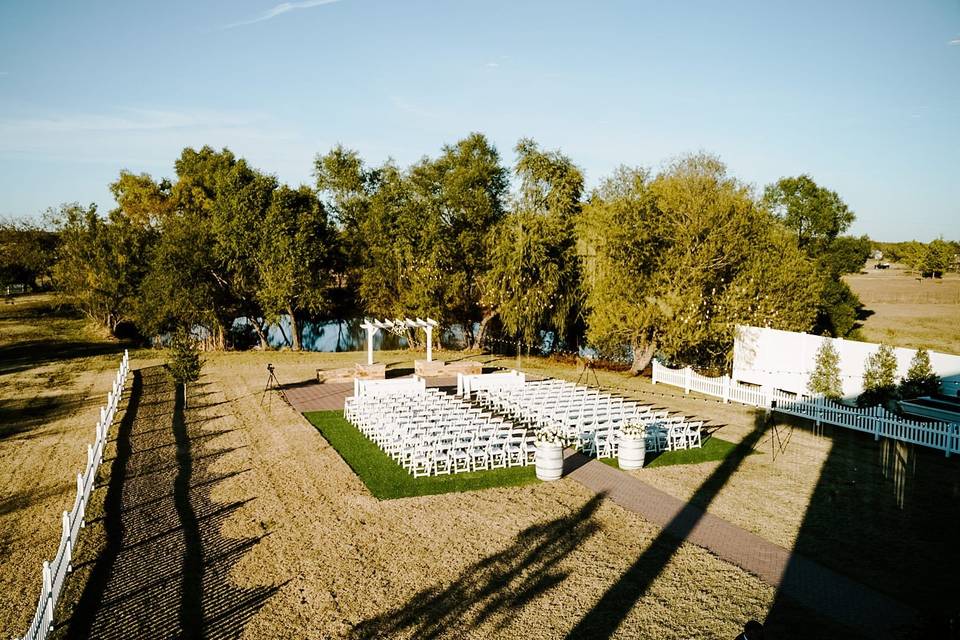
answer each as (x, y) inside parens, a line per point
(164, 570)
(494, 589)
(29, 354)
(603, 620)
(21, 416)
(886, 514)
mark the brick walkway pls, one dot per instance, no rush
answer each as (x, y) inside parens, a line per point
(801, 579)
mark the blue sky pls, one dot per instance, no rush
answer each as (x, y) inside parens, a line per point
(863, 96)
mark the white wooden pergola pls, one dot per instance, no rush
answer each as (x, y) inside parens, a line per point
(398, 326)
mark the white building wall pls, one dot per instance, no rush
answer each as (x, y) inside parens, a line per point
(785, 359)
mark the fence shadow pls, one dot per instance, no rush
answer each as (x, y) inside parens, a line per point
(886, 514)
(164, 570)
(493, 589)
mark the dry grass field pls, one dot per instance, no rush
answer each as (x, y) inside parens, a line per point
(907, 311)
(54, 375)
(289, 543)
(494, 563)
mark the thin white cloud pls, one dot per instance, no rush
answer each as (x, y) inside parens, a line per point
(279, 10)
(955, 41)
(144, 137)
(492, 65)
(413, 109)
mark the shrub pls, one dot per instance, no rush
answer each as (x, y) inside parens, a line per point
(183, 360)
(825, 378)
(879, 378)
(921, 379)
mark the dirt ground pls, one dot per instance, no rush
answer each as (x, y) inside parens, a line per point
(338, 563)
(281, 516)
(495, 563)
(860, 506)
(907, 311)
(54, 376)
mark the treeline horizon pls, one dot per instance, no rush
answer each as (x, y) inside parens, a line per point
(647, 263)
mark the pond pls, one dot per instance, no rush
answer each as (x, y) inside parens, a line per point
(343, 335)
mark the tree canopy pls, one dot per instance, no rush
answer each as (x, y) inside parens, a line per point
(817, 215)
(676, 261)
(647, 263)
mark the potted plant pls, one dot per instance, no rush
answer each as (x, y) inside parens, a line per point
(549, 458)
(633, 446)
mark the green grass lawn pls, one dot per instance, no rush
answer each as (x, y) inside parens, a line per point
(713, 449)
(387, 480)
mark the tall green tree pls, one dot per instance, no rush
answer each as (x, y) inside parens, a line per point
(879, 377)
(203, 269)
(295, 259)
(100, 263)
(825, 378)
(817, 215)
(937, 256)
(416, 238)
(533, 283)
(921, 380)
(675, 262)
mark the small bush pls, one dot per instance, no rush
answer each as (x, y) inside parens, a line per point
(183, 359)
(879, 378)
(921, 379)
(825, 378)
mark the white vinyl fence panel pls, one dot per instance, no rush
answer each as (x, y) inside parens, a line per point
(944, 436)
(55, 572)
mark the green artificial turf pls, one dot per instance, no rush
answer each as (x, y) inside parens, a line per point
(713, 449)
(387, 480)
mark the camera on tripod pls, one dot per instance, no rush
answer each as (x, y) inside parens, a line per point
(273, 385)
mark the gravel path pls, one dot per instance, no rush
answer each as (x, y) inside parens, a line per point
(163, 570)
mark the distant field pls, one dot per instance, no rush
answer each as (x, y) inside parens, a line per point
(909, 312)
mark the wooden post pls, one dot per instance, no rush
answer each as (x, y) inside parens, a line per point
(726, 389)
(656, 370)
(876, 422)
(687, 373)
(429, 330)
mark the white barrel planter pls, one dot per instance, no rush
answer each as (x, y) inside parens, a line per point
(549, 461)
(631, 453)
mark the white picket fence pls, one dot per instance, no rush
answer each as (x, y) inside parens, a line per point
(55, 572)
(876, 420)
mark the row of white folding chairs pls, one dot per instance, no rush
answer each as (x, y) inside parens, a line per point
(551, 397)
(504, 448)
(568, 408)
(426, 449)
(660, 436)
(434, 433)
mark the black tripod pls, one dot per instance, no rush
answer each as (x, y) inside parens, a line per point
(272, 385)
(587, 370)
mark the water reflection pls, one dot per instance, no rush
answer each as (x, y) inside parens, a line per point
(342, 335)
